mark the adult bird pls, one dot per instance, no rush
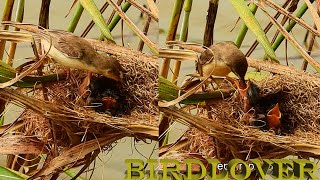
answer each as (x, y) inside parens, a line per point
(222, 58)
(219, 60)
(73, 51)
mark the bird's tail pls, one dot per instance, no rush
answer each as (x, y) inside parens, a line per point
(38, 31)
(24, 26)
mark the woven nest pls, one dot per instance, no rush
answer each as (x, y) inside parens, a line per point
(139, 87)
(61, 125)
(225, 136)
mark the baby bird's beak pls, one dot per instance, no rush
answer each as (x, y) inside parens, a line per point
(243, 91)
(274, 117)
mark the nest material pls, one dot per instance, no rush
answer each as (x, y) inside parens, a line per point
(140, 87)
(64, 124)
(230, 138)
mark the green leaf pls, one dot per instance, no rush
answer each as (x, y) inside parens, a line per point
(168, 91)
(72, 174)
(97, 17)
(7, 73)
(9, 174)
(251, 22)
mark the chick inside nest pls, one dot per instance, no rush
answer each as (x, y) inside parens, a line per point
(299, 104)
(229, 137)
(136, 94)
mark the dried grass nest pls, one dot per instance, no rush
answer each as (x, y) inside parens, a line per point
(77, 127)
(140, 87)
(225, 137)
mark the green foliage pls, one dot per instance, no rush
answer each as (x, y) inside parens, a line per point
(252, 23)
(8, 174)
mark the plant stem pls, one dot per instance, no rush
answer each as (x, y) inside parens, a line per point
(211, 19)
(89, 27)
(183, 37)
(266, 29)
(116, 18)
(75, 19)
(44, 14)
(145, 32)
(97, 17)
(6, 16)
(172, 33)
(244, 29)
(175, 17)
(289, 27)
(310, 47)
(13, 45)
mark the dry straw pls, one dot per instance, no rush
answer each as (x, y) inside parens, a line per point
(226, 136)
(72, 134)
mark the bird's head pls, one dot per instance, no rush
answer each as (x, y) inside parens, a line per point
(112, 69)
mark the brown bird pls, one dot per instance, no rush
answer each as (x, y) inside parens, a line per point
(73, 51)
(222, 58)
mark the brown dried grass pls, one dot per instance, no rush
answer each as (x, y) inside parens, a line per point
(76, 126)
(226, 136)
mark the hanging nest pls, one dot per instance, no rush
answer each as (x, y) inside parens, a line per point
(62, 125)
(226, 136)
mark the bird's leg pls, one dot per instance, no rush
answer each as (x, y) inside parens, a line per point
(213, 83)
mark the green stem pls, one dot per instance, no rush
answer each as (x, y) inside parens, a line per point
(185, 21)
(183, 36)
(97, 17)
(172, 33)
(289, 27)
(6, 16)
(244, 29)
(117, 18)
(75, 19)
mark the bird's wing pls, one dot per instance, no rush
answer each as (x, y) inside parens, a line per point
(65, 44)
(70, 45)
(210, 54)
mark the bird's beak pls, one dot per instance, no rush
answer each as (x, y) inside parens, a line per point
(111, 75)
(243, 89)
(274, 117)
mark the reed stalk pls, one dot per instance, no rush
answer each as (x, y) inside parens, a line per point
(6, 16)
(145, 32)
(13, 45)
(310, 47)
(175, 17)
(97, 17)
(289, 27)
(266, 29)
(211, 19)
(244, 29)
(90, 25)
(183, 37)
(75, 19)
(116, 18)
